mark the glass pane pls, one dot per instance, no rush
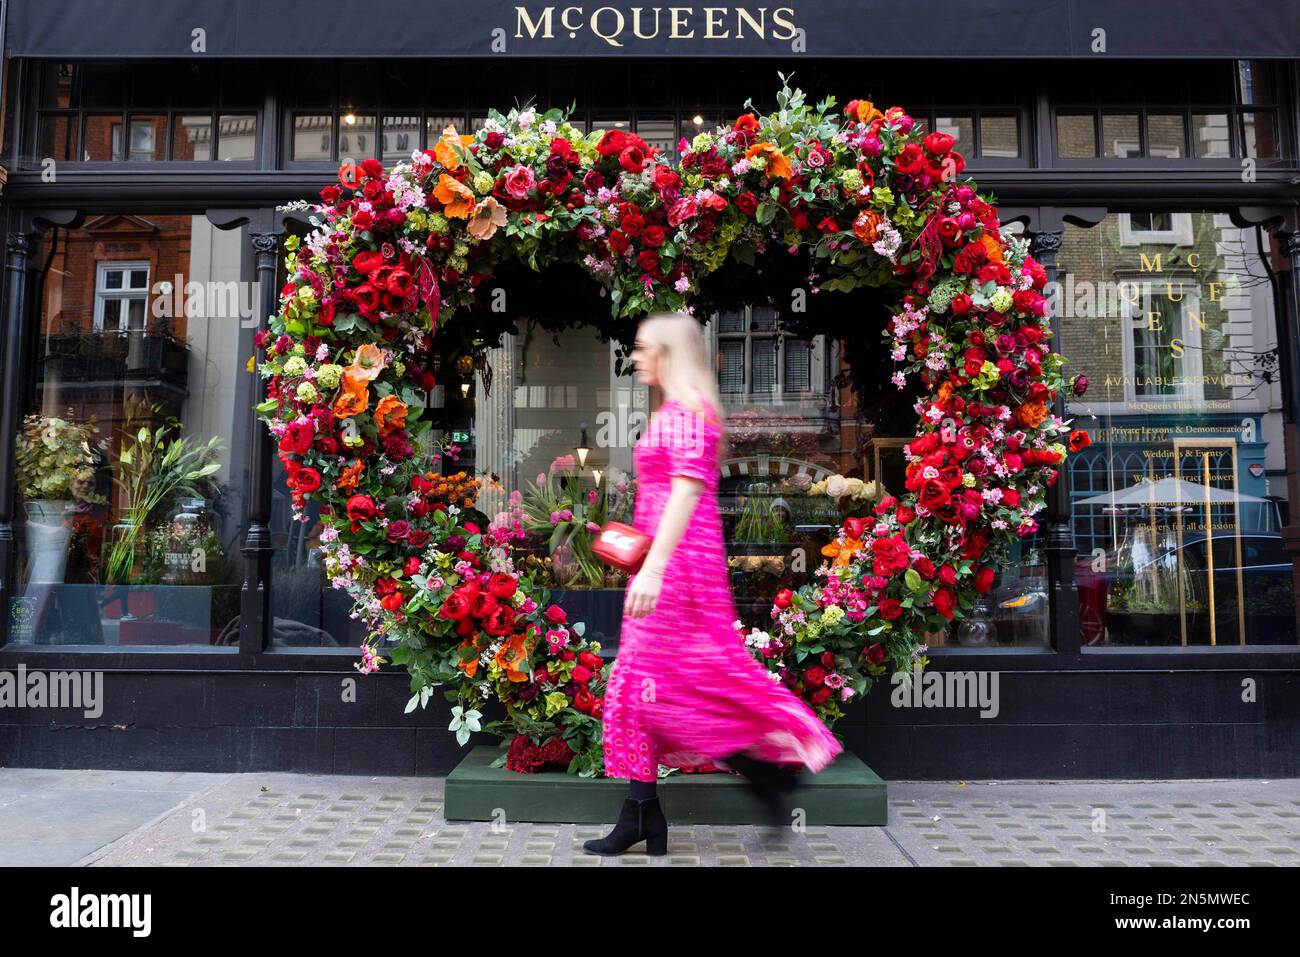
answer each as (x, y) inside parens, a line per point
(961, 129)
(798, 367)
(1186, 461)
(133, 510)
(762, 354)
(1210, 136)
(1119, 134)
(356, 137)
(762, 318)
(660, 133)
(58, 138)
(434, 125)
(732, 321)
(999, 136)
(1259, 133)
(1256, 80)
(148, 138)
(731, 365)
(1166, 135)
(237, 137)
(312, 136)
(192, 137)
(1076, 136)
(401, 138)
(103, 138)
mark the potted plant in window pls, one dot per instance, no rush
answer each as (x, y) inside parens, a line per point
(53, 456)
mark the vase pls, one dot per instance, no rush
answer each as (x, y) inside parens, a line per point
(978, 628)
(48, 533)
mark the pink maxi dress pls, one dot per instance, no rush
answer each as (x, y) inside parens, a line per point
(684, 690)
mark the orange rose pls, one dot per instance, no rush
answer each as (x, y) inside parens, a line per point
(778, 164)
(457, 199)
(390, 415)
(867, 227)
(867, 111)
(1032, 414)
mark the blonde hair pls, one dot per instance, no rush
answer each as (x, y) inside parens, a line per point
(684, 368)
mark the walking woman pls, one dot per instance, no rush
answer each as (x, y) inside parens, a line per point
(684, 690)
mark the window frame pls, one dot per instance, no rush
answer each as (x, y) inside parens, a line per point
(125, 294)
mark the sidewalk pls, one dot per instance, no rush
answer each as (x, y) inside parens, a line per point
(138, 817)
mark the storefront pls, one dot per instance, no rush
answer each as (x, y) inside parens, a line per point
(1149, 629)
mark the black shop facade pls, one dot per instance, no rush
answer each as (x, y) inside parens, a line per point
(155, 169)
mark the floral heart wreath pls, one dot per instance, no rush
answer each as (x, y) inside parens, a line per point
(395, 252)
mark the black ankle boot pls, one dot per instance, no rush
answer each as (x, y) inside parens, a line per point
(771, 784)
(637, 821)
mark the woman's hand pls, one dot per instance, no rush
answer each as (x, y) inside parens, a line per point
(643, 594)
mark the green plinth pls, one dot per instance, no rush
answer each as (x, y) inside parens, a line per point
(846, 793)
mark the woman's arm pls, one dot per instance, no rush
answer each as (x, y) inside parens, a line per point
(643, 593)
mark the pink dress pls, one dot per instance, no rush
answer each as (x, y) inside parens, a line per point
(684, 690)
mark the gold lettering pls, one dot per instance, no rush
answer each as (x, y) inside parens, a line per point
(1153, 321)
(1215, 289)
(758, 26)
(1194, 261)
(784, 17)
(523, 19)
(1169, 289)
(1176, 347)
(1151, 265)
(713, 22)
(636, 24)
(678, 23)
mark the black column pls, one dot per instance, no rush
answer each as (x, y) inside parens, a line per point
(1288, 327)
(255, 598)
(17, 250)
(1059, 532)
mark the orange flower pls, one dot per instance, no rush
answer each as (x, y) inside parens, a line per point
(489, 216)
(945, 391)
(843, 554)
(390, 415)
(1032, 414)
(348, 478)
(867, 227)
(354, 396)
(867, 111)
(368, 362)
(457, 199)
(451, 147)
(513, 658)
(991, 246)
(350, 175)
(778, 164)
(469, 667)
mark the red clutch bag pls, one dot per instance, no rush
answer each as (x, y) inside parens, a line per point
(621, 546)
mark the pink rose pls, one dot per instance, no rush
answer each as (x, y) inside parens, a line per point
(519, 180)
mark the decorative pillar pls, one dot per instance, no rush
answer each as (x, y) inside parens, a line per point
(1288, 327)
(17, 249)
(1059, 532)
(255, 594)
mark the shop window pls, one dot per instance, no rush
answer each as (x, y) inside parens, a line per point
(132, 455)
(1076, 135)
(756, 361)
(1178, 502)
(313, 136)
(236, 138)
(356, 136)
(999, 137)
(1119, 134)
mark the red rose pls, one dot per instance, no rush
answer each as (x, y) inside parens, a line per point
(419, 538)
(589, 660)
(308, 479)
(984, 579)
(910, 160)
(585, 701)
(904, 515)
(581, 674)
(948, 575)
(618, 243)
(367, 261)
(502, 585)
(891, 555)
(297, 438)
(501, 621)
(814, 676)
(875, 654)
(648, 260)
(632, 159)
(631, 221)
(747, 203)
(455, 607)
(1010, 498)
(945, 602)
(939, 143)
(820, 696)
(783, 598)
(890, 608)
(360, 508)
(556, 615)
(483, 605)
(961, 303)
(654, 236)
(934, 494)
(412, 565)
(398, 531)
(857, 527)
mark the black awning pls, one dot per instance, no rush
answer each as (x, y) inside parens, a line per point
(80, 29)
